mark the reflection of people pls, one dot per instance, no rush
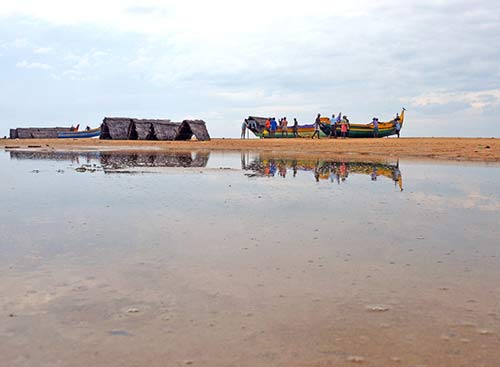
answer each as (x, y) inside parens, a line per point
(396, 176)
(316, 171)
(294, 167)
(374, 173)
(317, 124)
(282, 169)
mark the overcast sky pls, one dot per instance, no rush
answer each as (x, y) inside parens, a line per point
(68, 62)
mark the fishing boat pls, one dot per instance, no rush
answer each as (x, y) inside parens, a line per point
(90, 133)
(257, 125)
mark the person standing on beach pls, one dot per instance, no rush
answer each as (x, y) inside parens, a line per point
(375, 127)
(243, 129)
(295, 128)
(333, 127)
(268, 125)
(274, 127)
(284, 127)
(317, 124)
(343, 127)
(397, 124)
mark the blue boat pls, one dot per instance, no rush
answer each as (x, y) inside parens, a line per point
(91, 133)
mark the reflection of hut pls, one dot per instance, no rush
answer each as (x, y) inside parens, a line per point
(116, 128)
(37, 132)
(188, 128)
(119, 161)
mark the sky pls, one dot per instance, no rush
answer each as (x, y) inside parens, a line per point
(69, 62)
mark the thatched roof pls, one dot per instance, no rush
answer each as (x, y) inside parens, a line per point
(189, 128)
(37, 132)
(116, 128)
(120, 128)
(166, 130)
(144, 129)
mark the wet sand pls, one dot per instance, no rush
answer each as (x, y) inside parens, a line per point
(459, 149)
(208, 267)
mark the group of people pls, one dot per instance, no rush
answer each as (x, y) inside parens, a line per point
(338, 122)
(335, 122)
(396, 123)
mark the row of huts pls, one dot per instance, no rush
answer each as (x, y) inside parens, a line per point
(121, 128)
(118, 128)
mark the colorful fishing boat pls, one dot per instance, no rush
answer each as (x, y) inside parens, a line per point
(89, 133)
(258, 126)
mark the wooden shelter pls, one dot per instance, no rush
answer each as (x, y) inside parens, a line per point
(115, 128)
(119, 128)
(190, 128)
(37, 132)
(165, 129)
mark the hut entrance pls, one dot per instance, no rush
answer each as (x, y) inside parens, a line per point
(151, 134)
(184, 132)
(105, 132)
(132, 132)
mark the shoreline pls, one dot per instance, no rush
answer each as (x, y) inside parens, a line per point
(451, 149)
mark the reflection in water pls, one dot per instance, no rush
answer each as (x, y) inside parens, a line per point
(212, 268)
(120, 162)
(111, 161)
(335, 171)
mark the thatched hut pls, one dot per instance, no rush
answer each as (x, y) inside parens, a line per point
(141, 130)
(116, 128)
(166, 130)
(37, 132)
(190, 128)
(148, 129)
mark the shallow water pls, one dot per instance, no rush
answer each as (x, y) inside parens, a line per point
(229, 259)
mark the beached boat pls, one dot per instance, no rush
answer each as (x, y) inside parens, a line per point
(258, 126)
(91, 133)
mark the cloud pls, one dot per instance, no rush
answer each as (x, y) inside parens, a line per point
(42, 50)
(230, 59)
(32, 65)
(476, 100)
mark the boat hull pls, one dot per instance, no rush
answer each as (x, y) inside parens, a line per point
(79, 134)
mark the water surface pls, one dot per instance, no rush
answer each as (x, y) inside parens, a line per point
(229, 259)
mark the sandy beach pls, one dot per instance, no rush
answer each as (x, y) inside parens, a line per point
(458, 149)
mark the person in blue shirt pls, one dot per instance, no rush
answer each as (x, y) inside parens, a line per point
(274, 127)
(333, 127)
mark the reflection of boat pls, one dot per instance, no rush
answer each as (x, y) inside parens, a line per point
(325, 169)
(257, 126)
(90, 133)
